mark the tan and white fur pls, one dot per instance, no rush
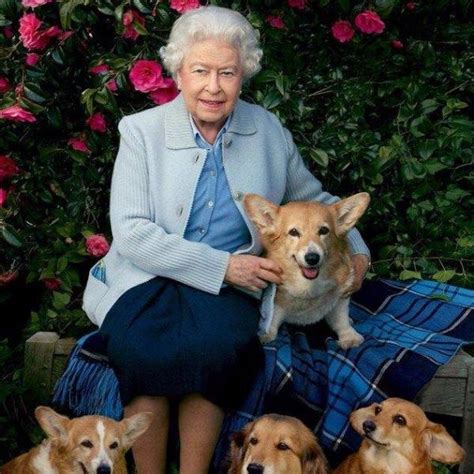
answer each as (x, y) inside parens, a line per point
(276, 444)
(398, 439)
(308, 241)
(85, 445)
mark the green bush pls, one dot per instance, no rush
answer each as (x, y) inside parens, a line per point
(385, 112)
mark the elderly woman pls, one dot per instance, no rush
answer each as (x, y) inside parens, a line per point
(179, 303)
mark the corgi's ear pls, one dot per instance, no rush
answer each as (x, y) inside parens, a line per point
(53, 424)
(134, 426)
(262, 213)
(348, 212)
(440, 445)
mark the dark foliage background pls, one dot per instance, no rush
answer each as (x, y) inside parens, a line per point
(392, 119)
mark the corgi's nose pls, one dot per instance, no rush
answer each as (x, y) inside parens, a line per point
(255, 468)
(369, 426)
(104, 469)
(312, 258)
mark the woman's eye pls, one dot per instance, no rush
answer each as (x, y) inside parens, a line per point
(253, 441)
(87, 444)
(294, 233)
(323, 230)
(399, 420)
(227, 73)
(199, 71)
(282, 446)
(378, 410)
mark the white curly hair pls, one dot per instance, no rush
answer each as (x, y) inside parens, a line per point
(213, 22)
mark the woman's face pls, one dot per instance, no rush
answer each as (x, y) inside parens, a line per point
(210, 80)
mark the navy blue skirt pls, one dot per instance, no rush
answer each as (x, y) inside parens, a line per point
(165, 338)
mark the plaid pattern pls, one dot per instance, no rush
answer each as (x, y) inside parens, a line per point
(410, 329)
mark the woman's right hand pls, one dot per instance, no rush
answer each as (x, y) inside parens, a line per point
(254, 273)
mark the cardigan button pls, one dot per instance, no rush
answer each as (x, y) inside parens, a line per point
(227, 141)
(238, 196)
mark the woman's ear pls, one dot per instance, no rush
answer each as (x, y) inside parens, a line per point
(440, 446)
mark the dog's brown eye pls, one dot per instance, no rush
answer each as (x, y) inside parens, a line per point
(253, 440)
(283, 446)
(114, 445)
(294, 233)
(378, 410)
(323, 230)
(399, 420)
(87, 444)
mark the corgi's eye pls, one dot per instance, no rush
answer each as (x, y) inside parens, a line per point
(378, 410)
(282, 446)
(114, 445)
(87, 444)
(294, 233)
(323, 230)
(399, 420)
(253, 440)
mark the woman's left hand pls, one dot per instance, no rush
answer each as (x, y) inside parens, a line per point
(361, 265)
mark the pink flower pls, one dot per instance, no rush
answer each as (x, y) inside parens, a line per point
(182, 6)
(52, 283)
(99, 69)
(410, 6)
(369, 22)
(16, 114)
(111, 85)
(165, 93)
(97, 245)
(397, 44)
(300, 4)
(8, 168)
(34, 3)
(32, 59)
(8, 277)
(3, 196)
(31, 34)
(129, 18)
(78, 144)
(4, 85)
(342, 31)
(145, 75)
(97, 122)
(275, 21)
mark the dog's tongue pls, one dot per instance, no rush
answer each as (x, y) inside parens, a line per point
(310, 273)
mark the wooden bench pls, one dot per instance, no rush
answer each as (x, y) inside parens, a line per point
(451, 392)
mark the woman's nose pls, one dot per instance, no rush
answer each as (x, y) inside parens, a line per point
(213, 86)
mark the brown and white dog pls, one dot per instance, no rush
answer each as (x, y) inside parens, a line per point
(398, 439)
(276, 444)
(85, 445)
(308, 241)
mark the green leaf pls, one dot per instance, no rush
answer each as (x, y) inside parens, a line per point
(320, 157)
(61, 300)
(409, 275)
(444, 275)
(66, 10)
(140, 4)
(11, 235)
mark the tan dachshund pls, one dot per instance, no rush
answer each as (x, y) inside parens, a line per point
(276, 444)
(85, 445)
(398, 439)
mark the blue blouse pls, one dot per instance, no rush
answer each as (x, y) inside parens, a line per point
(214, 217)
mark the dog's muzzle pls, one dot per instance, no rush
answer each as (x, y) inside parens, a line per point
(104, 469)
(369, 426)
(255, 468)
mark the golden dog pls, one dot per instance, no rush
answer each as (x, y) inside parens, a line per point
(398, 439)
(308, 241)
(276, 444)
(85, 445)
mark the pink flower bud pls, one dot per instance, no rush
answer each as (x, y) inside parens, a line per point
(97, 245)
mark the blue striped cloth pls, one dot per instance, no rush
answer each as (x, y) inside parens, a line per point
(410, 329)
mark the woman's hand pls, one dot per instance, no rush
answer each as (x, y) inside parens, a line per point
(360, 264)
(254, 273)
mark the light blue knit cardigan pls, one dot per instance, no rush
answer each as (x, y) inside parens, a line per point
(153, 184)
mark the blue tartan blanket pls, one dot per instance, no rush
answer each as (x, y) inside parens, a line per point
(410, 329)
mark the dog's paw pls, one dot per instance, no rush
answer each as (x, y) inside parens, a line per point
(350, 339)
(268, 337)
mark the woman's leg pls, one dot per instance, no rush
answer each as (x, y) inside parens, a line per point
(149, 450)
(200, 423)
